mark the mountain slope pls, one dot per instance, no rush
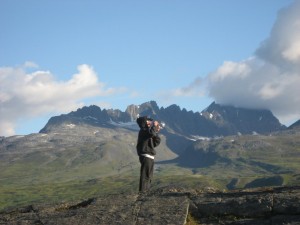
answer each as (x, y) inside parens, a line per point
(295, 125)
(248, 160)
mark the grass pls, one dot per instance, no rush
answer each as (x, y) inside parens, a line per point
(94, 169)
(33, 191)
(12, 196)
(16, 194)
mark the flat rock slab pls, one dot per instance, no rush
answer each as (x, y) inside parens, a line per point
(169, 206)
(112, 209)
(264, 206)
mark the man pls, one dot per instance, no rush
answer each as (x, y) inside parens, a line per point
(148, 139)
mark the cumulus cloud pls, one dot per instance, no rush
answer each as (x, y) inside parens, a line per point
(259, 85)
(25, 95)
(271, 78)
(282, 48)
(190, 90)
(193, 89)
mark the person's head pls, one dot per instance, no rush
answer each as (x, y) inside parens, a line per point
(144, 121)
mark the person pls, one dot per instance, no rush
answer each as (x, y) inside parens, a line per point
(148, 139)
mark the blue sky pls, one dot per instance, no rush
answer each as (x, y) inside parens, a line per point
(59, 55)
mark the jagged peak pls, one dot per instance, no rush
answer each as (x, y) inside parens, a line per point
(295, 125)
(174, 107)
(223, 108)
(86, 110)
(150, 104)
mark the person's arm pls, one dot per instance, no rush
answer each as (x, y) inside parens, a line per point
(156, 140)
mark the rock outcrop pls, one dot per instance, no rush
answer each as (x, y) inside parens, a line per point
(170, 205)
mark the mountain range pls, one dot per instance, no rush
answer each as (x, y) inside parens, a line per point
(91, 151)
(215, 120)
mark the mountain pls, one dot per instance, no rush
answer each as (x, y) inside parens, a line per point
(295, 125)
(234, 120)
(215, 120)
(91, 151)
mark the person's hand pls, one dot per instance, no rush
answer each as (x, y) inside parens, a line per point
(156, 125)
(149, 123)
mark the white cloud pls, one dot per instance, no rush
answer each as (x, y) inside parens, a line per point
(282, 48)
(30, 64)
(7, 127)
(270, 79)
(292, 53)
(231, 70)
(24, 95)
(192, 89)
(265, 86)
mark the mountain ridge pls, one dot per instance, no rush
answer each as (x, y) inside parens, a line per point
(215, 120)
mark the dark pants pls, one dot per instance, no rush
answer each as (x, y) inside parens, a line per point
(146, 174)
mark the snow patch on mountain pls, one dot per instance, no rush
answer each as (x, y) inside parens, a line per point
(71, 125)
(130, 125)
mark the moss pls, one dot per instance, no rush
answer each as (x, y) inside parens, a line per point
(190, 220)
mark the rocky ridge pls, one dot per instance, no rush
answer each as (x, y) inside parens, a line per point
(170, 205)
(215, 120)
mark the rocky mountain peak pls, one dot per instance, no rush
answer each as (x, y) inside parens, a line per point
(92, 110)
(174, 108)
(149, 109)
(257, 120)
(295, 125)
(132, 111)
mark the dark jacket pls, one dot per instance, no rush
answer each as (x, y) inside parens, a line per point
(148, 138)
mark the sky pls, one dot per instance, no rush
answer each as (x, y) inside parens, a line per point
(59, 55)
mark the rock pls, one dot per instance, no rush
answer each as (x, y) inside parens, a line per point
(112, 209)
(169, 205)
(252, 206)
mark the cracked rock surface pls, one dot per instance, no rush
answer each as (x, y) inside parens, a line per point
(169, 205)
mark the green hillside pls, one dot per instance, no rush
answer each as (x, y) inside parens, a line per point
(68, 166)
